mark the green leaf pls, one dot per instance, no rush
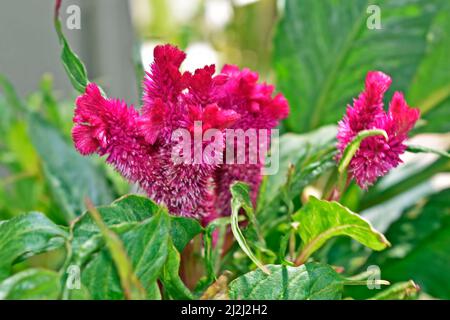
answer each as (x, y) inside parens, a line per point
(71, 176)
(323, 50)
(420, 241)
(321, 220)
(31, 284)
(311, 281)
(25, 236)
(145, 232)
(422, 149)
(121, 216)
(147, 248)
(75, 69)
(430, 90)
(398, 291)
(170, 277)
(380, 194)
(241, 199)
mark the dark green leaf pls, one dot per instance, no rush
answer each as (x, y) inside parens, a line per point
(323, 50)
(310, 281)
(213, 254)
(430, 90)
(25, 236)
(420, 238)
(71, 176)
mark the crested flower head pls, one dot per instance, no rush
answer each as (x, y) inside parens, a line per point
(376, 156)
(140, 145)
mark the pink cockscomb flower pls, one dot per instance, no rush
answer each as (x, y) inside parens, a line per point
(140, 144)
(376, 156)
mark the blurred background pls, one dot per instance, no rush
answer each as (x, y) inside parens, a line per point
(114, 31)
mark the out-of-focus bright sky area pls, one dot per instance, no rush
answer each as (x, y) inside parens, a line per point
(114, 31)
(210, 31)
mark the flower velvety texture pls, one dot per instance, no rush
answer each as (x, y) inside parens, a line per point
(139, 144)
(376, 156)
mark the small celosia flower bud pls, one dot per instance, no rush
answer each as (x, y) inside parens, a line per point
(376, 156)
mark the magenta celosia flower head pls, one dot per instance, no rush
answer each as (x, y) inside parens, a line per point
(376, 155)
(140, 144)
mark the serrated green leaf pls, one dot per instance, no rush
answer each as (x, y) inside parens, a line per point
(31, 284)
(323, 50)
(25, 236)
(311, 281)
(321, 220)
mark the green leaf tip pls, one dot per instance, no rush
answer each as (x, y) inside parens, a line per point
(353, 146)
